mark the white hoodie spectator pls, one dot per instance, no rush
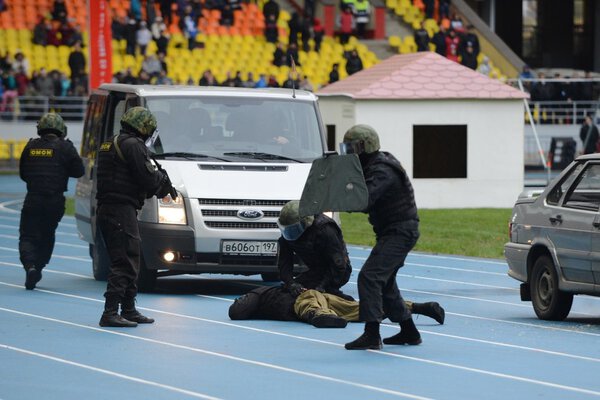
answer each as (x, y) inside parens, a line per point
(143, 37)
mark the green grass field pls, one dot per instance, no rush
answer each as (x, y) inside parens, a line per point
(477, 232)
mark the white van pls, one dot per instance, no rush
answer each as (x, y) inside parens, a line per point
(235, 156)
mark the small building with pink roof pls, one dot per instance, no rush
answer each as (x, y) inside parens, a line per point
(458, 133)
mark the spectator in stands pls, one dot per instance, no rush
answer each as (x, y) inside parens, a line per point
(65, 31)
(143, 37)
(305, 84)
(65, 84)
(5, 62)
(76, 36)
(150, 12)
(227, 18)
(422, 38)
(163, 79)
(290, 82)
(9, 91)
(279, 56)
(541, 91)
(157, 27)
(229, 80)
(468, 58)
(484, 67)
(271, 7)
(135, 8)
(444, 9)
(250, 82)
(587, 88)
(117, 28)
(292, 56)
(130, 36)
(456, 23)
(271, 30)
(40, 33)
(208, 79)
(309, 9)
(353, 63)
(144, 78)
(261, 82)
(59, 11)
(77, 62)
(526, 73)
(128, 77)
(306, 33)
(346, 25)
(22, 82)
(318, 33)
(452, 45)
(295, 27)
(334, 74)
(151, 65)
(165, 10)
(362, 15)
(163, 62)
(20, 62)
(190, 31)
(589, 135)
(44, 83)
(53, 37)
(347, 4)
(237, 80)
(429, 8)
(439, 40)
(272, 82)
(162, 44)
(469, 38)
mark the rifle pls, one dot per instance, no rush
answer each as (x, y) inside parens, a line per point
(172, 190)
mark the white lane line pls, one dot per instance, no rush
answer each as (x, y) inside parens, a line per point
(444, 257)
(110, 373)
(78, 246)
(58, 232)
(225, 356)
(394, 326)
(48, 270)
(53, 255)
(61, 223)
(273, 366)
(4, 206)
(456, 269)
(458, 282)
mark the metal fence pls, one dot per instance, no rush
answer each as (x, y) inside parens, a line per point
(31, 108)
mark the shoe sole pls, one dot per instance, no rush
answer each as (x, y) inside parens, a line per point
(372, 347)
(326, 321)
(33, 277)
(411, 343)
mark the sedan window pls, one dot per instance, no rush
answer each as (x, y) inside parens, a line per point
(555, 195)
(585, 194)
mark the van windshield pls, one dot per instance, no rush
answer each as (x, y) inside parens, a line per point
(237, 128)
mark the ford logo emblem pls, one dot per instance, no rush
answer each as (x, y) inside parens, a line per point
(250, 214)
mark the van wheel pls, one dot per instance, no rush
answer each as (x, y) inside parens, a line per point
(270, 276)
(549, 303)
(100, 260)
(147, 278)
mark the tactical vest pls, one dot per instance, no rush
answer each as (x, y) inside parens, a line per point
(42, 165)
(116, 184)
(398, 203)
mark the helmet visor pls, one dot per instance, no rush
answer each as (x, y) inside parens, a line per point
(353, 147)
(292, 232)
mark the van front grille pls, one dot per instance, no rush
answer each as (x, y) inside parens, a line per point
(238, 202)
(233, 213)
(241, 225)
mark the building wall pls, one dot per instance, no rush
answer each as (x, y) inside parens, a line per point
(338, 111)
(494, 146)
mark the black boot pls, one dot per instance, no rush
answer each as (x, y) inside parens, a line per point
(129, 312)
(32, 276)
(408, 334)
(369, 340)
(432, 310)
(328, 321)
(111, 316)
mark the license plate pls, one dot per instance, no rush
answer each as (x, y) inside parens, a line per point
(250, 248)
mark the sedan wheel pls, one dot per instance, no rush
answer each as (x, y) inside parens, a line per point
(548, 301)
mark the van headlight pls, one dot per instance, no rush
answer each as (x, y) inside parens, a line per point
(171, 211)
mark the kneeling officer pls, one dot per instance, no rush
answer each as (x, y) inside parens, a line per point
(126, 177)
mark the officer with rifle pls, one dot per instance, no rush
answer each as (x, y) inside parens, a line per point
(126, 177)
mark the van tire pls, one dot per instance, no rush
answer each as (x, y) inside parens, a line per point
(146, 278)
(270, 276)
(100, 260)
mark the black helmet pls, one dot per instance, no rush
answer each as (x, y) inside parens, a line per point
(289, 221)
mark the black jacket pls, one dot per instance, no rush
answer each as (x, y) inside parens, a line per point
(321, 247)
(131, 180)
(47, 163)
(589, 145)
(391, 196)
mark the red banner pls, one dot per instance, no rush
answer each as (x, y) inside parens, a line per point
(100, 42)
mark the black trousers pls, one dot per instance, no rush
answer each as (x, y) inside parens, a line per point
(377, 287)
(40, 216)
(120, 231)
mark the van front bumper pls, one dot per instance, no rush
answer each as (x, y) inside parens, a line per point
(159, 239)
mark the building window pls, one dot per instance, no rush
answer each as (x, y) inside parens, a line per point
(439, 151)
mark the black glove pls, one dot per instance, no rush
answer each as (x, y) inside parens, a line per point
(295, 289)
(166, 188)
